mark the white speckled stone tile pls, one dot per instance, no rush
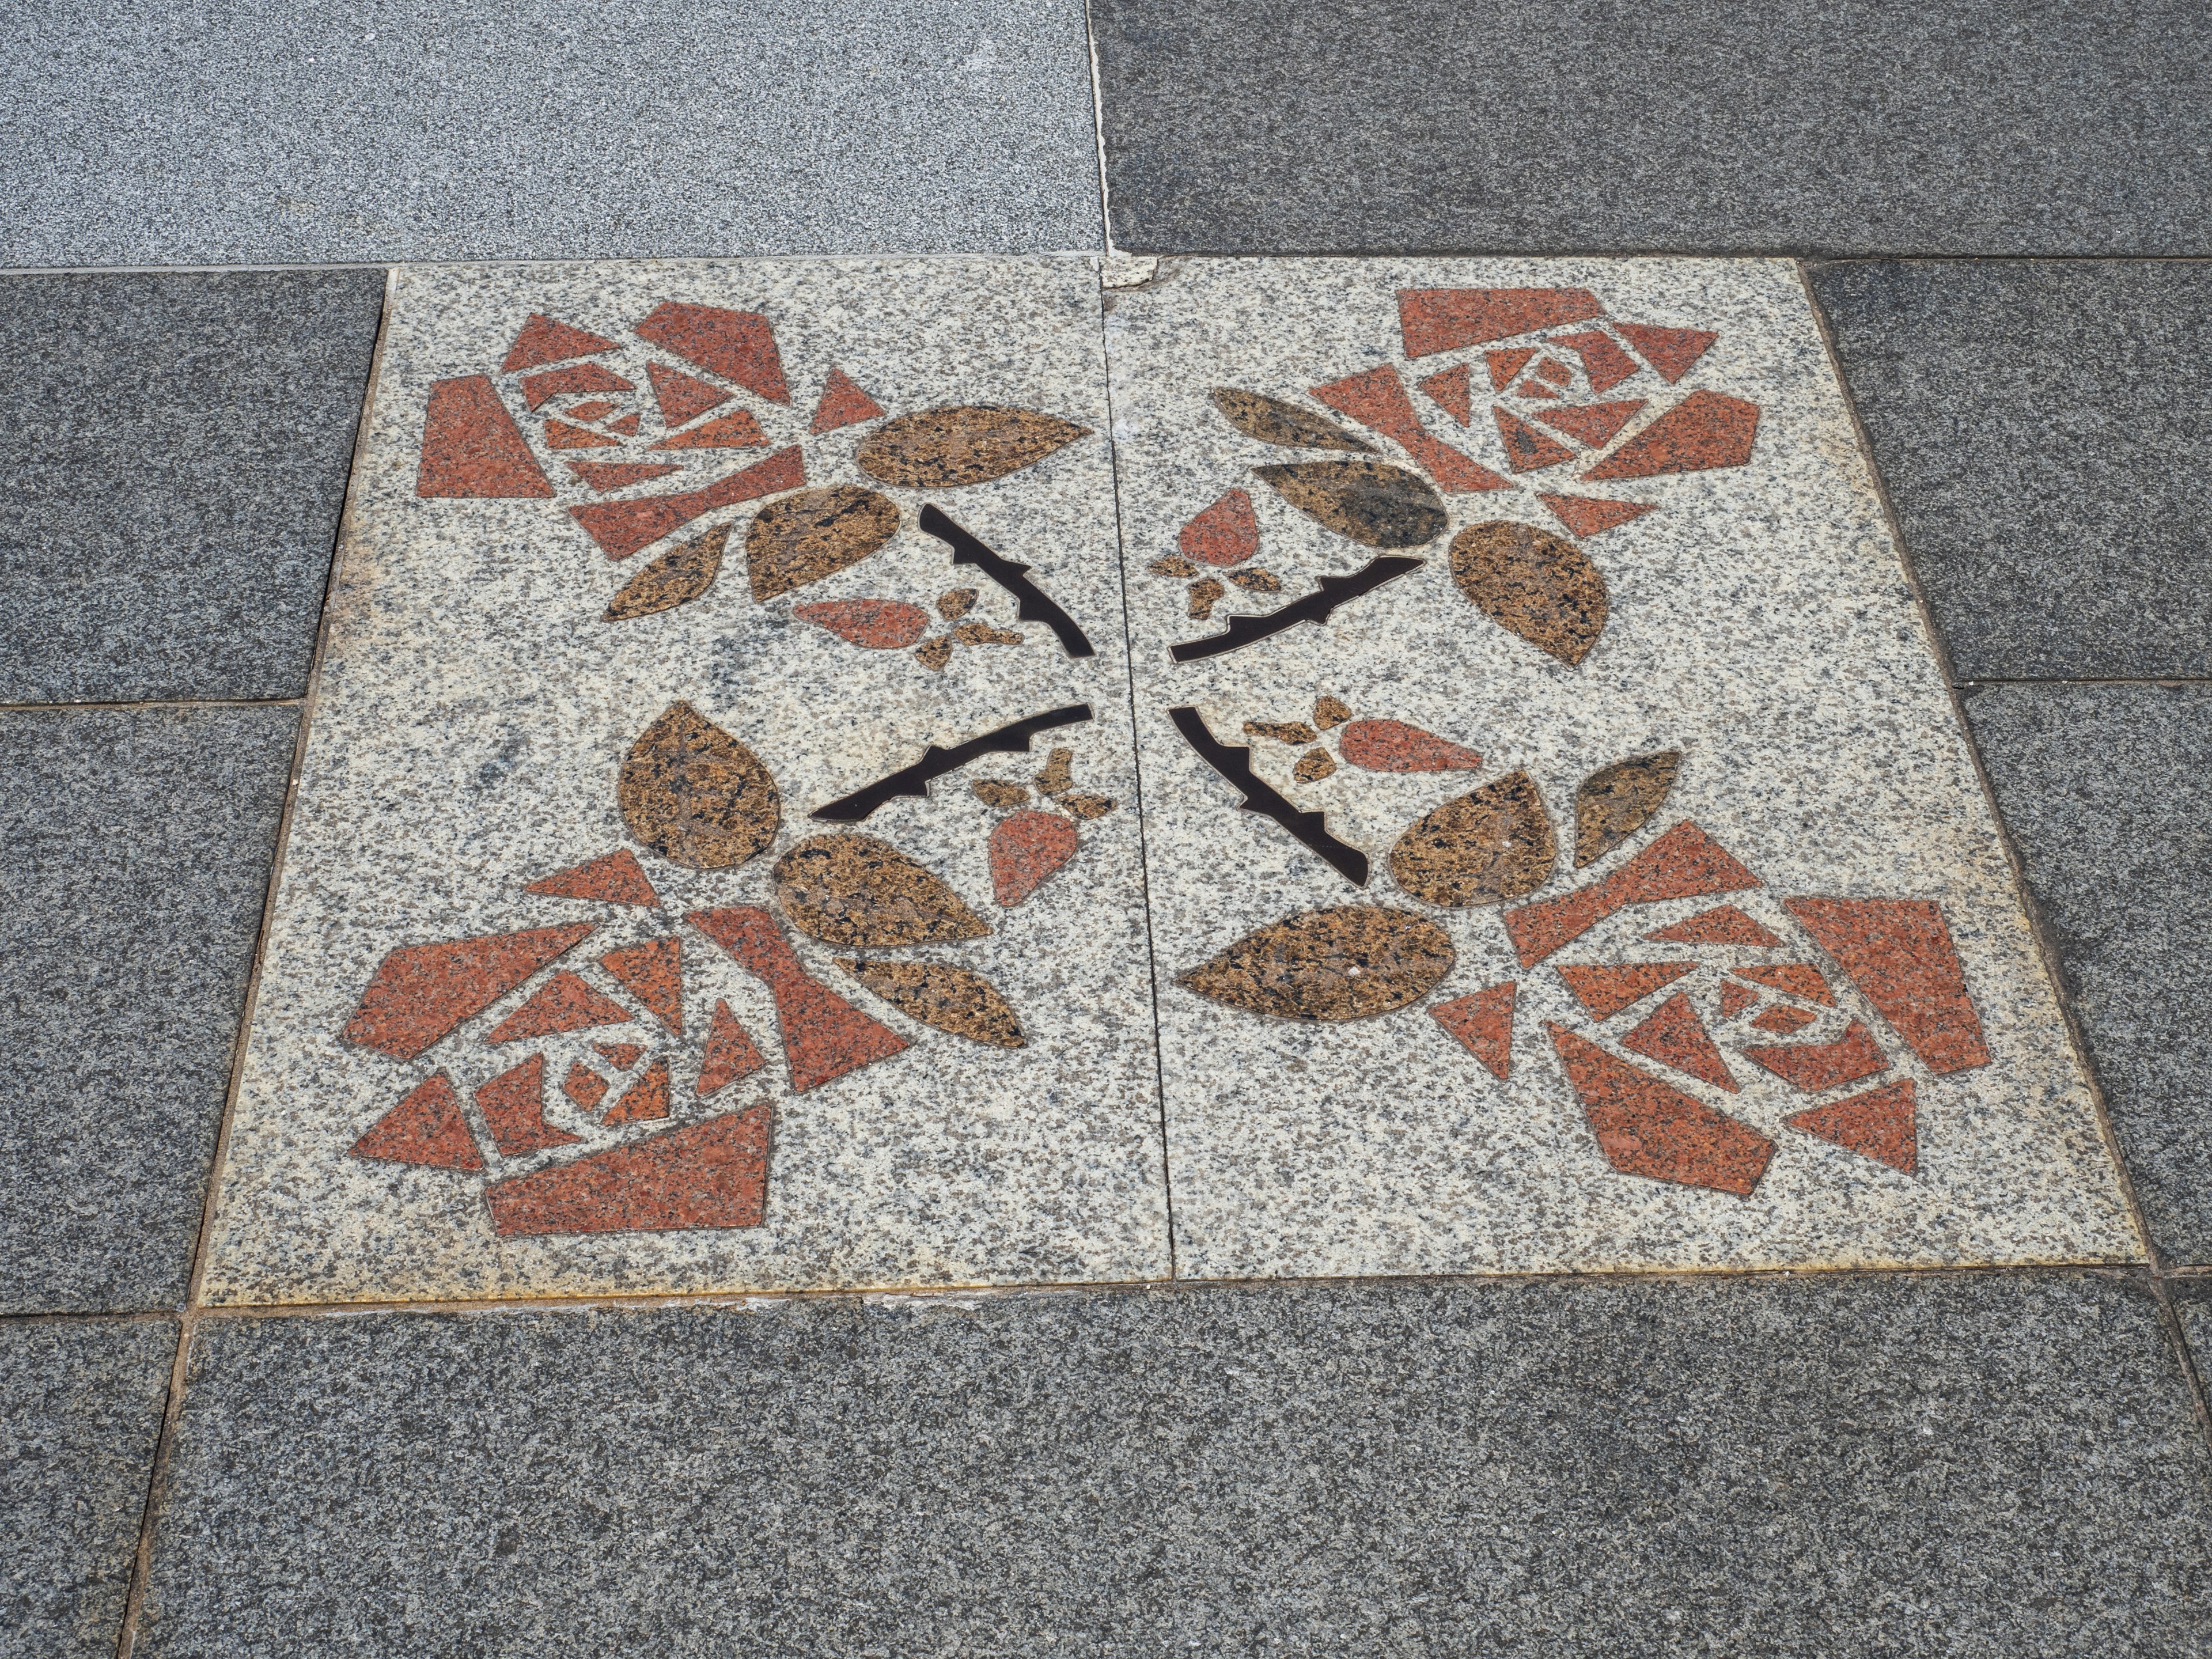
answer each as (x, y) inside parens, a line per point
(1760, 623)
(474, 710)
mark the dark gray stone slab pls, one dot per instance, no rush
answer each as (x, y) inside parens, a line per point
(1552, 126)
(81, 1404)
(1964, 1466)
(171, 480)
(137, 845)
(264, 132)
(2042, 429)
(2107, 790)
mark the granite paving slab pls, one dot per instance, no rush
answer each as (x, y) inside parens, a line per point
(1994, 126)
(138, 845)
(1913, 1464)
(81, 1404)
(2103, 788)
(536, 129)
(2040, 428)
(1613, 886)
(716, 859)
(170, 497)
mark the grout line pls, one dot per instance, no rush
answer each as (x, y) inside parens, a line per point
(1982, 679)
(149, 702)
(126, 1637)
(554, 263)
(1098, 133)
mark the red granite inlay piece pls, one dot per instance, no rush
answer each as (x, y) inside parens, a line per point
(1483, 1022)
(626, 426)
(563, 1003)
(879, 624)
(644, 1100)
(731, 1052)
(682, 396)
(1734, 999)
(1676, 1036)
(1593, 424)
(604, 476)
(1648, 1128)
(1586, 515)
(513, 1104)
(1722, 925)
(472, 447)
(653, 973)
(1377, 398)
(1433, 319)
(546, 340)
(420, 992)
(427, 1127)
(1606, 989)
(843, 404)
(623, 1054)
(613, 878)
(1026, 848)
(1814, 1067)
(1603, 360)
(735, 430)
(706, 1175)
(1707, 430)
(738, 345)
(578, 377)
(1669, 351)
(1553, 370)
(1795, 979)
(593, 410)
(1684, 863)
(1528, 450)
(1782, 1021)
(1898, 953)
(1505, 365)
(1453, 391)
(585, 1086)
(559, 435)
(621, 527)
(1535, 389)
(1395, 746)
(825, 1036)
(1879, 1124)
(1226, 533)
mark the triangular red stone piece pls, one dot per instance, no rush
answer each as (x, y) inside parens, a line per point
(1606, 989)
(1734, 999)
(709, 1175)
(1879, 1124)
(1226, 533)
(1722, 925)
(738, 345)
(1483, 1022)
(471, 446)
(1535, 389)
(1505, 365)
(1027, 848)
(1669, 351)
(1603, 360)
(1676, 1036)
(731, 1052)
(613, 878)
(621, 527)
(626, 426)
(843, 404)
(1433, 319)
(1528, 450)
(1783, 1020)
(1898, 953)
(420, 992)
(592, 411)
(682, 396)
(654, 973)
(622, 1054)
(1453, 390)
(1648, 1128)
(1377, 398)
(825, 1036)
(580, 377)
(1707, 430)
(426, 1127)
(1814, 1067)
(1553, 370)
(1586, 515)
(1594, 425)
(645, 1099)
(546, 340)
(563, 1003)
(603, 475)
(585, 1086)
(735, 430)
(559, 435)
(513, 1104)
(1795, 979)
(1684, 863)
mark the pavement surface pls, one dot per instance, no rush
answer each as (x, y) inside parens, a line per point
(952, 1395)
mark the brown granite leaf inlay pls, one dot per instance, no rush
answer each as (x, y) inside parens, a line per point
(1329, 713)
(957, 603)
(1532, 583)
(1313, 766)
(947, 448)
(853, 890)
(677, 577)
(993, 792)
(1289, 425)
(695, 795)
(1486, 848)
(1615, 801)
(1348, 962)
(945, 998)
(815, 533)
(1374, 503)
(1279, 730)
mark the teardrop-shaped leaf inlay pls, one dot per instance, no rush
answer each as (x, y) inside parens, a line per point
(1377, 504)
(1484, 847)
(815, 533)
(1342, 964)
(1534, 584)
(695, 795)
(1615, 801)
(950, 998)
(853, 890)
(969, 444)
(1277, 421)
(673, 579)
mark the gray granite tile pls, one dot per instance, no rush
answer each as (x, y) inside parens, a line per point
(2040, 426)
(81, 1405)
(137, 846)
(1966, 1466)
(1996, 126)
(171, 485)
(544, 129)
(2103, 788)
